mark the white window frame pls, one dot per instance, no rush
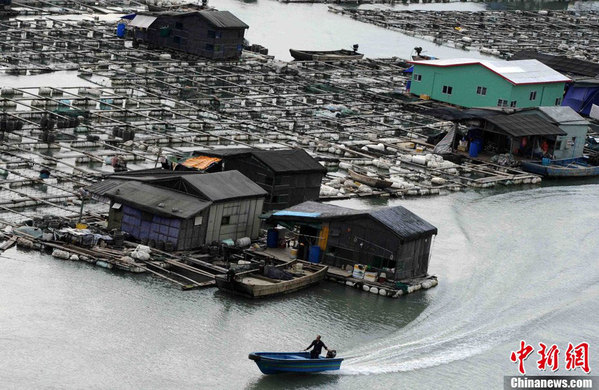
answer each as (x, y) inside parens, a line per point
(482, 91)
(417, 77)
(447, 90)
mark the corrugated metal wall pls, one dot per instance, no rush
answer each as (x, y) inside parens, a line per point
(242, 219)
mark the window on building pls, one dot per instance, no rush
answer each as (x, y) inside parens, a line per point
(481, 91)
(533, 95)
(218, 34)
(513, 103)
(558, 101)
(198, 220)
(502, 103)
(179, 26)
(225, 221)
(209, 47)
(211, 34)
(417, 77)
(447, 89)
(239, 47)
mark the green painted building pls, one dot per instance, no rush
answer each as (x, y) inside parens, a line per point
(480, 83)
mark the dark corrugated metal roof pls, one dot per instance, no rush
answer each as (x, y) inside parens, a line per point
(157, 200)
(223, 19)
(560, 63)
(220, 19)
(225, 185)
(101, 187)
(520, 125)
(224, 152)
(280, 161)
(407, 225)
(290, 160)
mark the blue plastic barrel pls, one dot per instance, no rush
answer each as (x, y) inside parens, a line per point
(314, 256)
(408, 84)
(546, 161)
(120, 30)
(272, 238)
(475, 146)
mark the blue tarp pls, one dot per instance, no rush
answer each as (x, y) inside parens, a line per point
(409, 70)
(581, 98)
(285, 213)
(129, 17)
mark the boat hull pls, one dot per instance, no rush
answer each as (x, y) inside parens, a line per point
(293, 362)
(562, 168)
(264, 291)
(333, 55)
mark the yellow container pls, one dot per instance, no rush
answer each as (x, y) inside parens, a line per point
(81, 226)
(293, 253)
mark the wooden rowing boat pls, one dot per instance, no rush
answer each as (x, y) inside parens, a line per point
(253, 284)
(371, 181)
(333, 55)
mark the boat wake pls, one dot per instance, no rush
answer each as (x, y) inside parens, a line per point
(496, 293)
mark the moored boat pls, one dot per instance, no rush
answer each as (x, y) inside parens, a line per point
(273, 280)
(285, 362)
(332, 55)
(574, 167)
(370, 181)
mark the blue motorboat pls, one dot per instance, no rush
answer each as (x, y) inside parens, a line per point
(285, 362)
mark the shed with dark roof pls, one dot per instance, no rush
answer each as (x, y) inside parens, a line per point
(209, 34)
(184, 209)
(392, 240)
(289, 176)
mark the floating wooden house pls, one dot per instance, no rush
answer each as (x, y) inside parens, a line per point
(289, 176)
(481, 83)
(209, 34)
(392, 239)
(182, 210)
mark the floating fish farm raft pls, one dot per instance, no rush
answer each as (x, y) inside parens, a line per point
(498, 33)
(100, 98)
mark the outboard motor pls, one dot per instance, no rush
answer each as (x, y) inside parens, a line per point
(355, 47)
(331, 353)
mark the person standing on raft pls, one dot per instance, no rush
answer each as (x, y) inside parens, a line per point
(318, 345)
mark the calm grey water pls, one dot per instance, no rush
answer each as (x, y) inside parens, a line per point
(280, 26)
(513, 265)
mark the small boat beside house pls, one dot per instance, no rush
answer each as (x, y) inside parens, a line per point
(332, 55)
(272, 280)
(372, 181)
(285, 362)
(573, 167)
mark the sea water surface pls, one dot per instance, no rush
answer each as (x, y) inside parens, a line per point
(511, 265)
